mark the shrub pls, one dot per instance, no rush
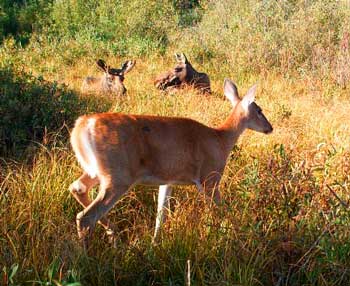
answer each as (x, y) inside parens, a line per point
(29, 106)
(258, 36)
(19, 18)
(122, 26)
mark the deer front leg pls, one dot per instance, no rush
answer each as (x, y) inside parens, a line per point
(211, 187)
(163, 206)
(80, 191)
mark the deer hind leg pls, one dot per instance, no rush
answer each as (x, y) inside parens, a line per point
(163, 207)
(80, 191)
(109, 193)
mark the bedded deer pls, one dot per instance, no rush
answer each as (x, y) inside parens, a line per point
(111, 82)
(183, 74)
(118, 151)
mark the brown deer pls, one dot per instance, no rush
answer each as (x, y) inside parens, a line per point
(118, 151)
(183, 74)
(110, 82)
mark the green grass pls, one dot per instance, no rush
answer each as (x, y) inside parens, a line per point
(279, 220)
(285, 219)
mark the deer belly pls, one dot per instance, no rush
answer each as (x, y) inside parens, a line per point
(154, 180)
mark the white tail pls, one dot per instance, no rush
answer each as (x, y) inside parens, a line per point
(110, 82)
(119, 151)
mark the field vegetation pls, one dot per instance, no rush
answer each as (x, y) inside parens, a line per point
(285, 219)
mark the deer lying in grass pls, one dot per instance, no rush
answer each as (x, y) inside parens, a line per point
(183, 74)
(110, 82)
(119, 151)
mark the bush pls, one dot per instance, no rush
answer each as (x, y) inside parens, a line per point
(286, 36)
(115, 23)
(124, 27)
(29, 106)
(19, 18)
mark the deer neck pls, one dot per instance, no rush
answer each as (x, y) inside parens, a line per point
(231, 129)
(191, 73)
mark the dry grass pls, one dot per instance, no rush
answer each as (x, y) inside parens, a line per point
(285, 217)
(280, 224)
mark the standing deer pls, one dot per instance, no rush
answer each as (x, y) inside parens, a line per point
(119, 151)
(111, 81)
(183, 74)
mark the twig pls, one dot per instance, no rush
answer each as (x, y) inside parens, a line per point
(344, 204)
(316, 242)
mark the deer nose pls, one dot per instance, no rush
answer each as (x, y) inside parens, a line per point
(269, 130)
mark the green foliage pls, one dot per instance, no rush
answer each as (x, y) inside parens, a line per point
(30, 107)
(8, 275)
(291, 37)
(137, 23)
(287, 36)
(279, 223)
(125, 27)
(19, 18)
(281, 232)
(189, 12)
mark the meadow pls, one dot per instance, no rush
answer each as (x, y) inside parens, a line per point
(285, 218)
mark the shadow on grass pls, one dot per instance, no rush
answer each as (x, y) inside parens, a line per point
(33, 109)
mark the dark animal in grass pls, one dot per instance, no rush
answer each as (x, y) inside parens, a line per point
(183, 75)
(112, 80)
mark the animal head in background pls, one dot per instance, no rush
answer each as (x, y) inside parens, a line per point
(181, 75)
(112, 81)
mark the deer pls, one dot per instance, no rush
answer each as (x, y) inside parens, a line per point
(182, 75)
(118, 151)
(112, 80)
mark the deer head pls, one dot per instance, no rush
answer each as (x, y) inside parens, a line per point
(113, 79)
(183, 70)
(251, 113)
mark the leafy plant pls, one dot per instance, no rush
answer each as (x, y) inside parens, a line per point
(31, 108)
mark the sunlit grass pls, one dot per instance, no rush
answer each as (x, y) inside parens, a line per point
(285, 217)
(278, 222)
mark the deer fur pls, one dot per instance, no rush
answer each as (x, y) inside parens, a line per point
(118, 151)
(112, 80)
(182, 75)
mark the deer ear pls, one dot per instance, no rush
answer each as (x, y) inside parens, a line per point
(127, 66)
(249, 97)
(181, 58)
(231, 92)
(102, 65)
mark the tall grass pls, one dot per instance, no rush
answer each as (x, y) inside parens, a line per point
(291, 37)
(280, 222)
(285, 218)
